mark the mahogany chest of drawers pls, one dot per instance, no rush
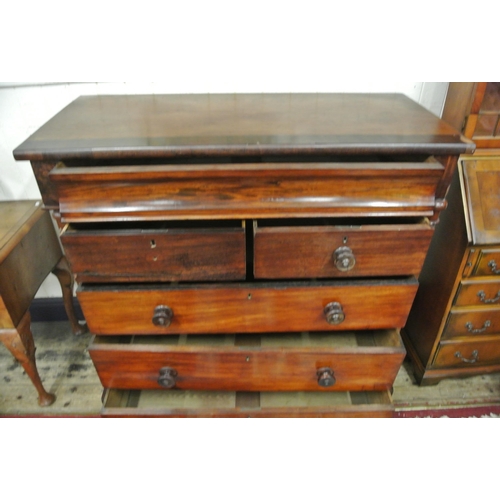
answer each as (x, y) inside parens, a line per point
(246, 255)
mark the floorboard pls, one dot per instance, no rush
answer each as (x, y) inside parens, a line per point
(67, 370)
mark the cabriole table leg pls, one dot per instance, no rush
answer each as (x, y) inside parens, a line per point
(20, 343)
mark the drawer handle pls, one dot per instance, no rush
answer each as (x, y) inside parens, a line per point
(482, 297)
(168, 377)
(162, 316)
(333, 313)
(475, 355)
(344, 259)
(471, 329)
(493, 266)
(325, 377)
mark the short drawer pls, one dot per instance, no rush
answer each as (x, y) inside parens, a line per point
(488, 263)
(478, 292)
(365, 360)
(245, 308)
(328, 251)
(477, 321)
(478, 352)
(156, 252)
(205, 404)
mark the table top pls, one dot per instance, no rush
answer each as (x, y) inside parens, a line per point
(100, 127)
(16, 219)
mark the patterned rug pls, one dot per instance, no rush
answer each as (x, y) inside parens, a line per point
(463, 412)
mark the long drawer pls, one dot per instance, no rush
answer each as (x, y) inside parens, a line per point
(246, 190)
(354, 361)
(204, 404)
(247, 308)
(364, 250)
(156, 252)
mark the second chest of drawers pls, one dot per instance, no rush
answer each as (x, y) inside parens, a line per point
(454, 326)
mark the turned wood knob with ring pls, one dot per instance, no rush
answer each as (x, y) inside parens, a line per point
(325, 377)
(167, 377)
(344, 259)
(162, 316)
(334, 314)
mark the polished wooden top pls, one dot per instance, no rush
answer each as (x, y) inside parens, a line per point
(148, 126)
(16, 220)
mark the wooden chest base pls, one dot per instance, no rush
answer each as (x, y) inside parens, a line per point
(204, 404)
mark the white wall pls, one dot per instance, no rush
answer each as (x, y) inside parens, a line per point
(25, 107)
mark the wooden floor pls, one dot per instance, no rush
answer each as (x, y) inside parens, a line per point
(66, 370)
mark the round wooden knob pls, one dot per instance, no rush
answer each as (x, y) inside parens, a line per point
(162, 316)
(167, 378)
(334, 314)
(344, 259)
(325, 377)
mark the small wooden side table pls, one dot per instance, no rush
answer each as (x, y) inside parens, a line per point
(29, 251)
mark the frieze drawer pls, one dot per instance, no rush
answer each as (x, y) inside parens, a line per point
(246, 190)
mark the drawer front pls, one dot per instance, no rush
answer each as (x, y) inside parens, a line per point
(473, 353)
(204, 404)
(246, 190)
(290, 362)
(478, 293)
(323, 252)
(156, 255)
(483, 321)
(488, 263)
(281, 307)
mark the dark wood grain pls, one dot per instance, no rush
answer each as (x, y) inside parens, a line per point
(156, 255)
(102, 130)
(97, 127)
(289, 363)
(247, 308)
(246, 190)
(308, 251)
